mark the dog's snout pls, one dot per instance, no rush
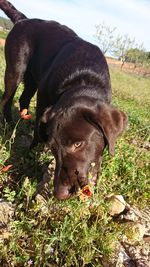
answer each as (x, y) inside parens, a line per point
(62, 192)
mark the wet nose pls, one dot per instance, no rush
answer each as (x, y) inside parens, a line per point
(62, 192)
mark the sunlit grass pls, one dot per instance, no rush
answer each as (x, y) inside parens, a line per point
(131, 87)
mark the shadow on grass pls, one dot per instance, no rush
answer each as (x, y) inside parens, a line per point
(15, 140)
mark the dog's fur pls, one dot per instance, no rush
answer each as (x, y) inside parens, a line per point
(74, 113)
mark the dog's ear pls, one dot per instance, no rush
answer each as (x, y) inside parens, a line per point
(47, 115)
(113, 122)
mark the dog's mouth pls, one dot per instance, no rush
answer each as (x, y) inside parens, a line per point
(63, 192)
(73, 190)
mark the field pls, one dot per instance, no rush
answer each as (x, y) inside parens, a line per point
(130, 67)
(72, 233)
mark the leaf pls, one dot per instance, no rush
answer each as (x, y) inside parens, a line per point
(24, 114)
(26, 117)
(6, 168)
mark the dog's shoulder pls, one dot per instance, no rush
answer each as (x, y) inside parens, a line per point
(84, 77)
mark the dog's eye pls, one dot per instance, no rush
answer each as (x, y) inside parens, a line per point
(77, 144)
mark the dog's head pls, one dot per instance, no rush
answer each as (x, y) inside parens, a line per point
(77, 136)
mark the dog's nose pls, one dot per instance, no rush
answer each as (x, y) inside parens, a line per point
(62, 193)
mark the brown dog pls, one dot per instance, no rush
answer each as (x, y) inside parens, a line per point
(73, 114)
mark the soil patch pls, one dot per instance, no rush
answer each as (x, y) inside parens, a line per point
(129, 67)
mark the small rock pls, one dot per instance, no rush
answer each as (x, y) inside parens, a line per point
(117, 204)
(135, 232)
(122, 257)
(6, 212)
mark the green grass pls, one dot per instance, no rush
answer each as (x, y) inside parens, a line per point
(72, 233)
(132, 88)
(3, 34)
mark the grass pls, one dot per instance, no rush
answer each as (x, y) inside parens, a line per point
(73, 233)
(3, 34)
(131, 87)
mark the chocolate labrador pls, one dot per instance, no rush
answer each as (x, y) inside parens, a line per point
(74, 115)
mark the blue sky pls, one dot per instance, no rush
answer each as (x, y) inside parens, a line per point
(131, 17)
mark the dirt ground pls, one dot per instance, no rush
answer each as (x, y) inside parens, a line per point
(129, 67)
